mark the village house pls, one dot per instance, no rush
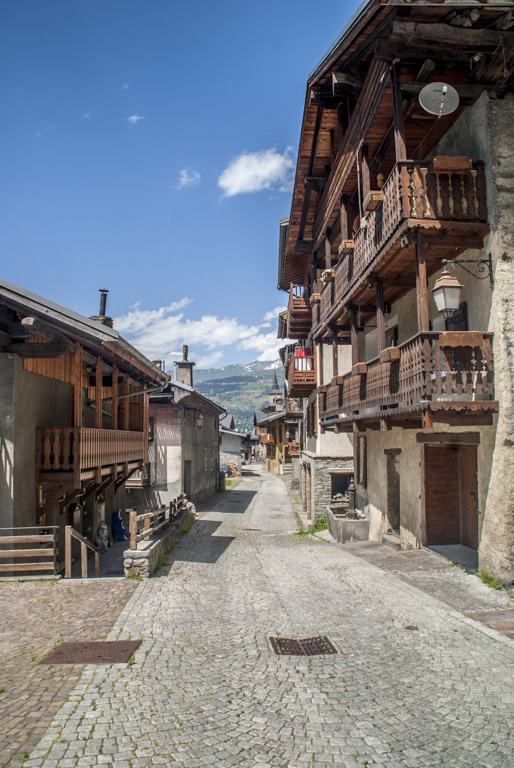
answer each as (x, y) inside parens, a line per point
(398, 259)
(85, 421)
(279, 429)
(230, 443)
(183, 452)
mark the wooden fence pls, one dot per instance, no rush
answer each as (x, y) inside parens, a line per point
(154, 520)
(43, 558)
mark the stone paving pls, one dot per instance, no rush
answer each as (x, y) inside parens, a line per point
(37, 615)
(414, 683)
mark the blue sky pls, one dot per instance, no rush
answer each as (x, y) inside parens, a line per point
(148, 147)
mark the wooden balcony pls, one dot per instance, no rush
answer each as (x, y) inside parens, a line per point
(299, 313)
(444, 201)
(294, 406)
(450, 375)
(87, 453)
(293, 449)
(267, 440)
(301, 376)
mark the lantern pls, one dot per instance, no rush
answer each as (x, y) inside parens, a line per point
(447, 293)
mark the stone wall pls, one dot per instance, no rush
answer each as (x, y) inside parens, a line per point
(143, 560)
(316, 483)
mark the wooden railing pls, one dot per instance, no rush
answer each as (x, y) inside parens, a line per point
(414, 192)
(69, 534)
(267, 440)
(301, 376)
(42, 558)
(154, 520)
(85, 449)
(293, 449)
(299, 314)
(452, 366)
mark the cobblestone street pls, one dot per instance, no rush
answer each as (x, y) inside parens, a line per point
(414, 682)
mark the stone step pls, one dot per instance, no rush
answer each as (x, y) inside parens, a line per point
(391, 540)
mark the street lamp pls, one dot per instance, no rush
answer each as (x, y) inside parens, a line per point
(447, 293)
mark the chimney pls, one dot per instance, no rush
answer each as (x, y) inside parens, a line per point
(102, 317)
(184, 368)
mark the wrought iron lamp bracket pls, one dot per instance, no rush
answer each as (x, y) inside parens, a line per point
(484, 267)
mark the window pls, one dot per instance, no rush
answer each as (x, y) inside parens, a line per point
(340, 483)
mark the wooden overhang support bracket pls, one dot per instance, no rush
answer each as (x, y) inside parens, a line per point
(121, 479)
(43, 507)
(101, 487)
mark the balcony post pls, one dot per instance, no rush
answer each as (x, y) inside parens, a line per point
(334, 352)
(421, 287)
(381, 329)
(320, 348)
(353, 336)
(115, 397)
(366, 183)
(399, 126)
(77, 386)
(345, 234)
(98, 393)
(328, 251)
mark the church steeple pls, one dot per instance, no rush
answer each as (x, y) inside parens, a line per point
(275, 393)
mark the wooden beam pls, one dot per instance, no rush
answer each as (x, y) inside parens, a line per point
(33, 326)
(453, 438)
(381, 325)
(328, 252)
(114, 407)
(316, 183)
(98, 394)
(353, 336)
(471, 40)
(334, 353)
(399, 127)
(38, 350)
(421, 288)
(77, 386)
(365, 175)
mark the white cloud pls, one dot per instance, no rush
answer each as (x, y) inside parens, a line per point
(256, 171)
(272, 316)
(188, 178)
(86, 115)
(209, 360)
(133, 119)
(159, 333)
(125, 86)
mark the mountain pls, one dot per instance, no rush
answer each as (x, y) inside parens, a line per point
(257, 367)
(241, 389)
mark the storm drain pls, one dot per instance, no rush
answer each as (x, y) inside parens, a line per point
(308, 646)
(95, 652)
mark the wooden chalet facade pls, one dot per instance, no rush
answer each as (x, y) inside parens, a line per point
(73, 413)
(385, 193)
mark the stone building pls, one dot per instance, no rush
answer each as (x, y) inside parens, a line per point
(403, 204)
(230, 442)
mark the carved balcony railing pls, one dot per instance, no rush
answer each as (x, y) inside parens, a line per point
(85, 451)
(416, 195)
(440, 369)
(301, 376)
(299, 313)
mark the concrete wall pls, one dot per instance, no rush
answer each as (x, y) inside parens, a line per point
(201, 448)
(7, 365)
(230, 449)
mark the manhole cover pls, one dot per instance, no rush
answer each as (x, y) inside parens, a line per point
(308, 646)
(96, 652)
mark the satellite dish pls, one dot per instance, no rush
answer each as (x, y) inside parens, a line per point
(439, 99)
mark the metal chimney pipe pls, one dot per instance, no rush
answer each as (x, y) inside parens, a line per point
(185, 351)
(103, 300)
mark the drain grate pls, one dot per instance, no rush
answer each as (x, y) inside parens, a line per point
(308, 646)
(96, 652)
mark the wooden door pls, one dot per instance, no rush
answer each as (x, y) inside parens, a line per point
(442, 495)
(468, 495)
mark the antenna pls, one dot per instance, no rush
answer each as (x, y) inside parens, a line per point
(439, 99)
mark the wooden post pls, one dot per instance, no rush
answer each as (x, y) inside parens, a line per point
(320, 347)
(145, 426)
(399, 126)
(381, 330)
(97, 565)
(345, 231)
(421, 287)
(115, 397)
(334, 353)
(146, 524)
(366, 184)
(133, 529)
(353, 336)
(126, 407)
(328, 252)
(77, 386)
(98, 393)
(83, 560)
(67, 552)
